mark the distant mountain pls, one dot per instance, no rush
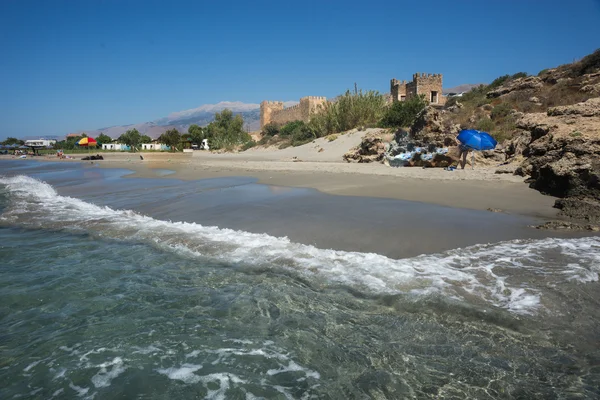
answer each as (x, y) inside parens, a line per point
(181, 120)
(462, 88)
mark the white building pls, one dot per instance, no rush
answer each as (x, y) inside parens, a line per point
(115, 147)
(154, 146)
(40, 143)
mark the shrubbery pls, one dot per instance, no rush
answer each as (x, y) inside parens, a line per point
(270, 129)
(349, 111)
(226, 131)
(403, 113)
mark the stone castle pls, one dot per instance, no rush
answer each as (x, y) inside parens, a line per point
(274, 112)
(428, 84)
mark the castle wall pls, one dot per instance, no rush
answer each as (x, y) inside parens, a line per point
(429, 85)
(274, 112)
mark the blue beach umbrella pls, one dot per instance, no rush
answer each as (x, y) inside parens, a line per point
(476, 140)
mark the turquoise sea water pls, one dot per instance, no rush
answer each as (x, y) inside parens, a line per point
(107, 292)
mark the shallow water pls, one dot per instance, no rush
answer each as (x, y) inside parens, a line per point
(99, 302)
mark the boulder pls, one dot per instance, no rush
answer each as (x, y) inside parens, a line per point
(429, 129)
(564, 157)
(371, 149)
(530, 82)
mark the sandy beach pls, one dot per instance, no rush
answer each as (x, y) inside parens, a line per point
(319, 165)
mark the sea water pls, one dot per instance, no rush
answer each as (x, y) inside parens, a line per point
(100, 298)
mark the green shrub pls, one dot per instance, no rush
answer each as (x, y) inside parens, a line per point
(542, 72)
(496, 83)
(349, 111)
(587, 64)
(519, 75)
(485, 124)
(226, 131)
(270, 129)
(248, 145)
(403, 113)
(331, 138)
(502, 110)
(576, 134)
(289, 128)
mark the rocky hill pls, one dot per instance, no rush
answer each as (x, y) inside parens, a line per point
(547, 126)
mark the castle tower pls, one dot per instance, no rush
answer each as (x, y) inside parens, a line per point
(266, 109)
(398, 90)
(429, 85)
(310, 105)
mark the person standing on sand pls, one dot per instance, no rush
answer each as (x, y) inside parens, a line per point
(463, 151)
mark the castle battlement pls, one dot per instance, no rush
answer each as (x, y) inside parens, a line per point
(275, 112)
(422, 83)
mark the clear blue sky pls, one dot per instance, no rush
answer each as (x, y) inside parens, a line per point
(85, 64)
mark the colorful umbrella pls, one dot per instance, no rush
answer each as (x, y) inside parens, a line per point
(87, 141)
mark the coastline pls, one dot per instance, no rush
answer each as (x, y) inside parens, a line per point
(478, 189)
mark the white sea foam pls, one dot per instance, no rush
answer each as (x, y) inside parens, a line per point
(490, 272)
(184, 373)
(108, 371)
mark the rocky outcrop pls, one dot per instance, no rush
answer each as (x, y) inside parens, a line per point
(530, 82)
(564, 157)
(371, 149)
(430, 129)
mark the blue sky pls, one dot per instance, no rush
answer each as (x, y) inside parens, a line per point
(84, 64)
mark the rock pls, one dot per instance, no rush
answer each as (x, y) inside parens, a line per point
(591, 88)
(429, 130)
(371, 149)
(579, 208)
(494, 210)
(534, 99)
(517, 145)
(564, 157)
(589, 108)
(530, 82)
(567, 225)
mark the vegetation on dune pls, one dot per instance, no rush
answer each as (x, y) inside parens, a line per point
(349, 111)
(403, 113)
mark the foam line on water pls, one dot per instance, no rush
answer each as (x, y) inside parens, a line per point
(483, 271)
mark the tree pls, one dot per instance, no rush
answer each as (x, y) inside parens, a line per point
(171, 138)
(103, 139)
(11, 140)
(145, 139)
(131, 138)
(226, 130)
(196, 134)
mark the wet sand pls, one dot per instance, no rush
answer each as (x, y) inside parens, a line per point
(367, 213)
(478, 189)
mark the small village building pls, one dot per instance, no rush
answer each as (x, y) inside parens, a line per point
(115, 147)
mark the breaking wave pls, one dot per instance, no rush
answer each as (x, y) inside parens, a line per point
(502, 274)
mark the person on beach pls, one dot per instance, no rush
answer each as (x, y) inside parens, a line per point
(463, 151)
